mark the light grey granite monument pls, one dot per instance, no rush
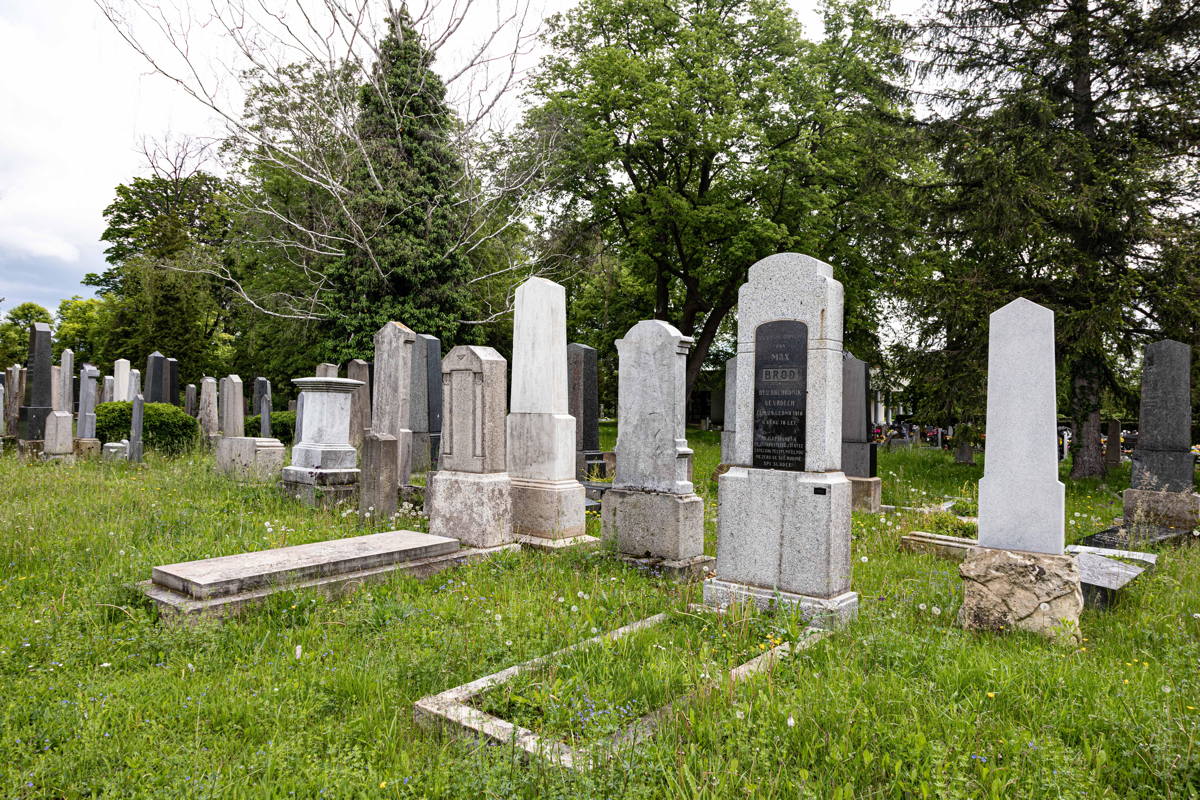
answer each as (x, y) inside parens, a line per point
(433, 394)
(134, 387)
(418, 405)
(1160, 503)
(729, 429)
(66, 382)
(109, 390)
(1019, 576)
(377, 493)
(858, 449)
(59, 442)
(232, 408)
(56, 395)
(134, 450)
(389, 407)
(86, 428)
(360, 401)
(783, 531)
(38, 383)
(210, 423)
(547, 499)
(324, 469)
(470, 495)
(121, 381)
(652, 513)
(583, 403)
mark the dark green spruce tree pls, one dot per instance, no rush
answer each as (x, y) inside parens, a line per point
(1067, 137)
(404, 201)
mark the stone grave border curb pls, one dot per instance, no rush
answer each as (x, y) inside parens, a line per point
(452, 708)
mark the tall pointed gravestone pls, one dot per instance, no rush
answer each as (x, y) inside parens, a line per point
(547, 499)
(783, 533)
(858, 447)
(470, 495)
(1160, 503)
(38, 403)
(651, 512)
(1019, 576)
(389, 402)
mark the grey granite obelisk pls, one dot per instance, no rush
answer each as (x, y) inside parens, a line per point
(39, 390)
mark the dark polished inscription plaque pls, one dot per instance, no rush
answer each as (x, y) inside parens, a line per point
(780, 394)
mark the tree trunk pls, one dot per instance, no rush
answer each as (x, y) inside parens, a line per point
(1088, 459)
(708, 332)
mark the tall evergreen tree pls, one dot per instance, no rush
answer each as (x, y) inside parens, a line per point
(1068, 142)
(404, 194)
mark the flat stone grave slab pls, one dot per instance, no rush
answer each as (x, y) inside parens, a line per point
(1103, 571)
(453, 710)
(225, 584)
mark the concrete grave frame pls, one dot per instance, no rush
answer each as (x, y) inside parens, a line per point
(452, 708)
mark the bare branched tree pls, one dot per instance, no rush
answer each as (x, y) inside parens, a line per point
(285, 79)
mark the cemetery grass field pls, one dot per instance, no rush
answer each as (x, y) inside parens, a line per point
(312, 697)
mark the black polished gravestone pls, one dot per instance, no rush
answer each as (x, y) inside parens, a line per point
(37, 404)
(156, 364)
(171, 381)
(780, 395)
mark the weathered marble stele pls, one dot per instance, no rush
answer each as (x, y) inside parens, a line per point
(858, 447)
(729, 429)
(15, 392)
(547, 499)
(260, 392)
(108, 389)
(134, 450)
(327, 370)
(121, 380)
(250, 458)
(39, 390)
(232, 406)
(56, 401)
(433, 394)
(783, 532)
(324, 468)
(1021, 500)
(210, 423)
(470, 495)
(389, 406)
(66, 382)
(360, 401)
(228, 585)
(134, 387)
(86, 428)
(190, 400)
(583, 403)
(1160, 503)
(59, 441)
(377, 495)
(651, 513)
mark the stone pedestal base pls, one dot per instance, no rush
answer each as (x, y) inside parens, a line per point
(422, 452)
(653, 524)
(87, 448)
(1147, 509)
(321, 488)
(475, 508)
(692, 569)
(115, 451)
(250, 457)
(822, 612)
(548, 509)
(866, 494)
(29, 448)
(1036, 592)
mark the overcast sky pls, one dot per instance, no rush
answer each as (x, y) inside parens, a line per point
(75, 104)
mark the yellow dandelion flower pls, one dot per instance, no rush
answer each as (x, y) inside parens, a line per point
(991, 694)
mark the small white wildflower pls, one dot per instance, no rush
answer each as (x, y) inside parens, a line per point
(574, 609)
(499, 617)
(739, 714)
(1044, 607)
(106, 664)
(863, 559)
(508, 642)
(299, 650)
(597, 630)
(936, 611)
(791, 722)
(922, 607)
(1166, 690)
(561, 599)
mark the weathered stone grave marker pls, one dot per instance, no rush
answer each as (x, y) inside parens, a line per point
(324, 469)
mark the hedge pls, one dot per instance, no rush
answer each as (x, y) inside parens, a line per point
(166, 428)
(283, 425)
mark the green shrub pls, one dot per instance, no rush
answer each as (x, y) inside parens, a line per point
(283, 425)
(165, 427)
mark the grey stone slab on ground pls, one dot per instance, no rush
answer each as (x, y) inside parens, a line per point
(389, 407)
(1021, 500)
(232, 406)
(377, 496)
(135, 450)
(156, 376)
(360, 400)
(38, 394)
(470, 496)
(547, 499)
(783, 532)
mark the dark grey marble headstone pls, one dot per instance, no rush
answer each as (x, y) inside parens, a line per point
(858, 451)
(38, 385)
(171, 382)
(135, 428)
(780, 395)
(433, 393)
(583, 396)
(1162, 460)
(156, 364)
(262, 389)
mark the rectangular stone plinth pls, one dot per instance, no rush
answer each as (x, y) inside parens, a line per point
(472, 507)
(822, 612)
(227, 575)
(1178, 510)
(653, 524)
(686, 570)
(785, 530)
(250, 457)
(321, 488)
(87, 448)
(178, 605)
(547, 509)
(866, 494)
